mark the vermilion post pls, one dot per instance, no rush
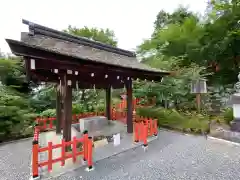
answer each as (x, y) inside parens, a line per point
(50, 123)
(114, 114)
(85, 145)
(63, 153)
(49, 156)
(90, 144)
(151, 127)
(136, 132)
(35, 159)
(74, 149)
(141, 131)
(44, 123)
(146, 121)
(145, 135)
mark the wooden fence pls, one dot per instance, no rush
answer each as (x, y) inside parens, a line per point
(85, 151)
(143, 128)
(47, 123)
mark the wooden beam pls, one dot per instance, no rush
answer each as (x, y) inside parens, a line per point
(99, 79)
(108, 102)
(88, 69)
(129, 107)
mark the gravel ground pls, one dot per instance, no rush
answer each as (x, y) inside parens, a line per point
(173, 156)
(15, 160)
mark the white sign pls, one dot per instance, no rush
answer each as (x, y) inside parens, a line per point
(116, 139)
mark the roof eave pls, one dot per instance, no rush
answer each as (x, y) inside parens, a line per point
(22, 49)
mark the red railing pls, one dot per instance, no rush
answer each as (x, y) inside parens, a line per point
(143, 128)
(135, 103)
(86, 152)
(47, 123)
(123, 103)
(118, 115)
(36, 134)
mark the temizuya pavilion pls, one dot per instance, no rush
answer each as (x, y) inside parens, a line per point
(72, 61)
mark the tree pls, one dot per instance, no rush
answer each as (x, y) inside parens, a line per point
(221, 40)
(12, 74)
(106, 36)
(15, 112)
(163, 18)
(175, 46)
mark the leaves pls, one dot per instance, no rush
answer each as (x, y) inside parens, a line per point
(102, 35)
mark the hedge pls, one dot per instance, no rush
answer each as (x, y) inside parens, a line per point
(171, 118)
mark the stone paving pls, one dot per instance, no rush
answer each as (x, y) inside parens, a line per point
(15, 160)
(172, 156)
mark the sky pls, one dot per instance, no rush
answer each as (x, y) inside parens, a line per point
(131, 20)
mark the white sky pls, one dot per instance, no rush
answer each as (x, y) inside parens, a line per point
(131, 20)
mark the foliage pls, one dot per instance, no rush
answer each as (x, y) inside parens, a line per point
(48, 113)
(172, 118)
(228, 115)
(106, 36)
(12, 74)
(43, 97)
(15, 113)
(194, 47)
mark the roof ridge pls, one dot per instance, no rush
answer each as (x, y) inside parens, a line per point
(42, 30)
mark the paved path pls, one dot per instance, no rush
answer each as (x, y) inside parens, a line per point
(171, 157)
(15, 160)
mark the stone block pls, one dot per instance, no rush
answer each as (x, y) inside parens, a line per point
(92, 124)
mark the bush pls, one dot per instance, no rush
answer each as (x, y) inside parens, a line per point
(14, 122)
(48, 113)
(171, 118)
(77, 108)
(228, 115)
(100, 107)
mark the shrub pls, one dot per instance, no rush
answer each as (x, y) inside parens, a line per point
(77, 108)
(228, 115)
(173, 119)
(48, 113)
(15, 114)
(100, 107)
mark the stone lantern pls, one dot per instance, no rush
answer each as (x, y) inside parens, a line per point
(199, 87)
(235, 125)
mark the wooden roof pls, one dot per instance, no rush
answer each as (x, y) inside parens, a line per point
(49, 44)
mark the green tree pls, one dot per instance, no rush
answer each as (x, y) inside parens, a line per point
(106, 36)
(15, 113)
(221, 40)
